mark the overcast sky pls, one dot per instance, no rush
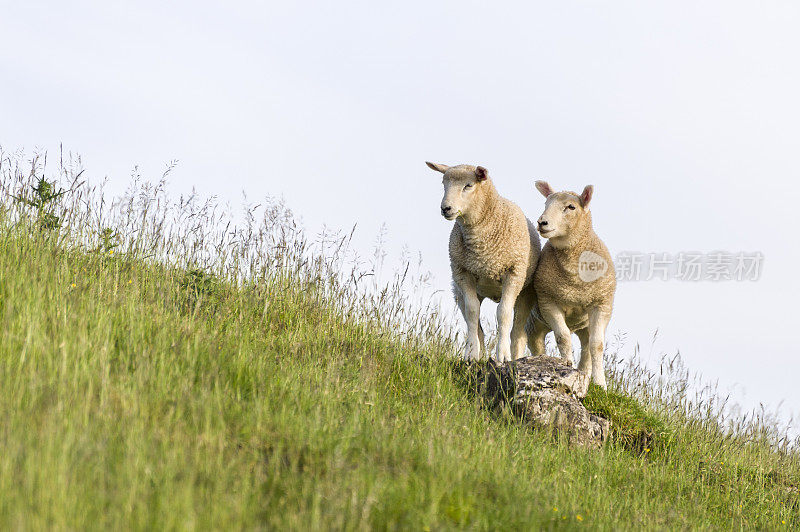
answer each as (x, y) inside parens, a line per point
(685, 116)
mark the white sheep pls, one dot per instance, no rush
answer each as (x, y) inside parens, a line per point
(493, 253)
(574, 281)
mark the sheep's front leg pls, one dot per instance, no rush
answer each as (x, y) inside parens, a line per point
(554, 317)
(598, 321)
(505, 317)
(465, 287)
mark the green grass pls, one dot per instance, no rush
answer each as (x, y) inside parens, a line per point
(142, 393)
(633, 427)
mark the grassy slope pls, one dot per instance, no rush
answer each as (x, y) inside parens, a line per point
(125, 402)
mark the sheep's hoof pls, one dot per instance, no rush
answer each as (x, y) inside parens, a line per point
(600, 380)
(473, 351)
(469, 356)
(502, 358)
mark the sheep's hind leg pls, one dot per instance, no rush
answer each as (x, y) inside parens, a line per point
(537, 330)
(481, 335)
(522, 312)
(585, 363)
(556, 320)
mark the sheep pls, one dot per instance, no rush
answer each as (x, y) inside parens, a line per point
(493, 253)
(574, 281)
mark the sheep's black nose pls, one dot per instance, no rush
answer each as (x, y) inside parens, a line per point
(445, 210)
(542, 223)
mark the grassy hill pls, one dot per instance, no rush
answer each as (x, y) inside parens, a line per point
(157, 371)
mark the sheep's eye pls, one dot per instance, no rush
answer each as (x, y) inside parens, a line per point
(468, 185)
(571, 207)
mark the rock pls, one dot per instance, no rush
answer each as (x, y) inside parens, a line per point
(545, 393)
(538, 373)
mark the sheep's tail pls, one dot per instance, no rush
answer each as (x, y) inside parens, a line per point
(535, 314)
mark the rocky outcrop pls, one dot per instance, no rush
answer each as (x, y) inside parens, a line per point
(545, 393)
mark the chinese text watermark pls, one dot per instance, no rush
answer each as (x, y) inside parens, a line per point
(689, 266)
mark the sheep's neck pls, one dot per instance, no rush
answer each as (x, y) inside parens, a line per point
(481, 208)
(569, 248)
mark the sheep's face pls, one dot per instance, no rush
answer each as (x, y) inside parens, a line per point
(461, 184)
(563, 211)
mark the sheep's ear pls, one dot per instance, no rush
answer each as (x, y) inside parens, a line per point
(481, 173)
(438, 167)
(586, 195)
(544, 188)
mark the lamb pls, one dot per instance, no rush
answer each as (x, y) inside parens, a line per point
(574, 281)
(493, 253)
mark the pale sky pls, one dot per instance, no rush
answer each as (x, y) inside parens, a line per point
(685, 116)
